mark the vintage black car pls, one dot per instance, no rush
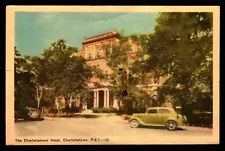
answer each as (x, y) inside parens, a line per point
(29, 114)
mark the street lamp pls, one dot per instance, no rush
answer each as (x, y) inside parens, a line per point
(124, 81)
(124, 93)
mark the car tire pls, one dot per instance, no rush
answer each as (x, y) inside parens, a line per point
(134, 124)
(171, 125)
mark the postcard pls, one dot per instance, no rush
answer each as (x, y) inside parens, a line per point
(80, 75)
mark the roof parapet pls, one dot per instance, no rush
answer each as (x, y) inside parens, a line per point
(100, 37)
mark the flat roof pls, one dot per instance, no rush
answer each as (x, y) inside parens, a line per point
(160, 108)
(100, 37)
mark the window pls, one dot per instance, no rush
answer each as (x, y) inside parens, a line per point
(89, 56)
(105, 53)
(97, 64)
(131, 49)
(164, 111)
(142, 58)
(155, 80)
(152, 111)
(98, 54)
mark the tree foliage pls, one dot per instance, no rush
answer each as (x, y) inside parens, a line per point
(127, 73)
(57, 72)
(23, 83)
(181, 49)
(66, 73)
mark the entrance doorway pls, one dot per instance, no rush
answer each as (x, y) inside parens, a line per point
(101, 98)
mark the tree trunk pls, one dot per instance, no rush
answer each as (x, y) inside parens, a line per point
(38, 94)
(70, 101)
(67, 101)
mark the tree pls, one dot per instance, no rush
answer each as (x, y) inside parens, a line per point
(127, 73)
(48, 98)
(23, 83)
(181, 49)
(67, 74)
(37, 65)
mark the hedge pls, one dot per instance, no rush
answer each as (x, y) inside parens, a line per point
(62, 115)
(104, 110)
(200, 118)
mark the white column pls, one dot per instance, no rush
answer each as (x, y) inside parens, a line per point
(105, 98)
(97, 98)
(108, 98)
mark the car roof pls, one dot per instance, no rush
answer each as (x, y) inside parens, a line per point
(169, 108)
(34, 109)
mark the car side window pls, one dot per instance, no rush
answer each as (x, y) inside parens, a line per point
(152, 111)
(164, 111)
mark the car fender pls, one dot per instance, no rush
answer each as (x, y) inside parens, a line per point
(171, 119)
(138, 119)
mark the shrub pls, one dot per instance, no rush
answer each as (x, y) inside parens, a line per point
(74, 109)
(53, 110)
(200, 118)
(95, 110)
(104, 110)
(112, 110)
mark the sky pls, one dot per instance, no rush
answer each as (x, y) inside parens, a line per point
(35, 31)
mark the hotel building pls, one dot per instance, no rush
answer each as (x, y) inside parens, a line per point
(96, 56)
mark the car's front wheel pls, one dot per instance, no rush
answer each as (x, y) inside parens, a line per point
(134, 124)
(171, 125)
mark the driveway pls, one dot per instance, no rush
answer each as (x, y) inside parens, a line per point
(111, 130)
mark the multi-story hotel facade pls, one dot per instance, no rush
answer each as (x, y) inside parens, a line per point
(96, 56)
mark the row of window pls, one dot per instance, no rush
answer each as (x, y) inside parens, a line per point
(97, 65)
(98, 45)
(98, 54)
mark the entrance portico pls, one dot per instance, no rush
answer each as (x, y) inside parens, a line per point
(101, 97)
